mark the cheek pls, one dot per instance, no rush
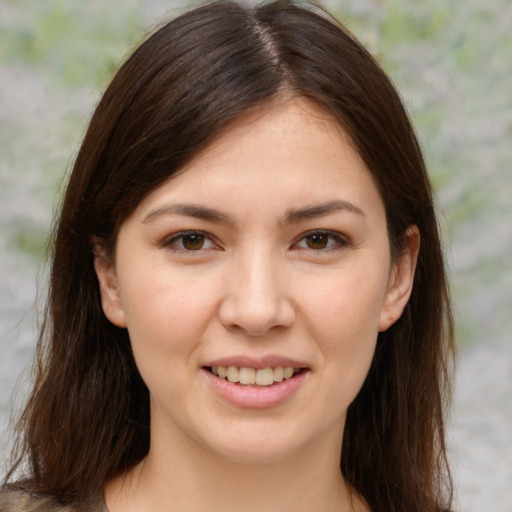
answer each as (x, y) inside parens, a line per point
(343, 320)
(347, 303)
(166, 316)
(347, 333)
(166, 312)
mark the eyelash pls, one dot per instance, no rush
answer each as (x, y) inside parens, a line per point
(335, 240)
(172, 242)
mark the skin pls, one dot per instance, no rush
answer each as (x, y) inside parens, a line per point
(257, 283)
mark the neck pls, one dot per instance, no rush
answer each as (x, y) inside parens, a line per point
(186, 477)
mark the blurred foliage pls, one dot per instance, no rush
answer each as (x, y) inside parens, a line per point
(451, 60)
(76, 43)
(29, 239)
(69, 50)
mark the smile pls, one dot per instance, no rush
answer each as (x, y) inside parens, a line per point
(247, 376)
(247, 383)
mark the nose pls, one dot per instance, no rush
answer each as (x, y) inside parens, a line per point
(257, 296)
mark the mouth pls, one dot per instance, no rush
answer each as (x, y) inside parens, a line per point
(261, 377)
(256, 384)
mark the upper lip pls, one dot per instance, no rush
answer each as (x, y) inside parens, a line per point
(257, 362)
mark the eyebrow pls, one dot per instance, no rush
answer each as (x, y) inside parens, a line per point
(189, 210)
(321, 210)
(291, 216)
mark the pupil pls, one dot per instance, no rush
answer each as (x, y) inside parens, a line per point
(193, 242)
(318, 241)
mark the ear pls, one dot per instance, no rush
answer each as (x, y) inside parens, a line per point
(107, 278)
(400, 280)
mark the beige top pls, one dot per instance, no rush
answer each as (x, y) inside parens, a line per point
(20, 501)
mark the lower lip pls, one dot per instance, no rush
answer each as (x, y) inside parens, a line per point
(255, 397)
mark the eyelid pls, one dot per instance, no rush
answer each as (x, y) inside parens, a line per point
(168, 241)
(341, 240)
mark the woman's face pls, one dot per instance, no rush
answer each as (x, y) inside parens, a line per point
(268, 256)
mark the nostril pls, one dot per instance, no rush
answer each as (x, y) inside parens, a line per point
(256, 309)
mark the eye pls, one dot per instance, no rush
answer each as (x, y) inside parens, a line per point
(193, 242)
(189, 241)
(321, 240)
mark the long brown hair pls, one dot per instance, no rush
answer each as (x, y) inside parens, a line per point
(87, 418)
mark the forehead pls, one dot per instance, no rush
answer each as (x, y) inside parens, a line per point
(288, 154)
(289, 127)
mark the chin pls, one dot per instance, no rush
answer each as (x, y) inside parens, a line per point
(261, 456)
(258, 447)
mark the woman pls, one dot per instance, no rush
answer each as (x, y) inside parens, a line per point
(240, 314)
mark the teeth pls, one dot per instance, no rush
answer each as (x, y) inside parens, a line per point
(288, 372)
(278, 374)
(233, 374)
(265, 377)
(247, 376)
(250, 376)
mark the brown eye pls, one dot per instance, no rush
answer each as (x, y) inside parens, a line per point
(193, 242)
(317, 241)
(187, 242)
(321, 241)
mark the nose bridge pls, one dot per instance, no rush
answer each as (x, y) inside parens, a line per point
(257, 299)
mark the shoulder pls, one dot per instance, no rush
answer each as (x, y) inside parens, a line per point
(23, 501)
(14, 500)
